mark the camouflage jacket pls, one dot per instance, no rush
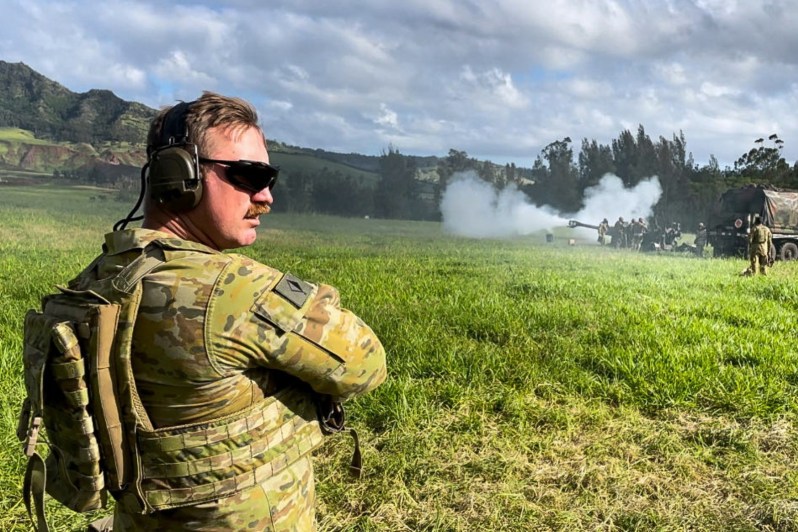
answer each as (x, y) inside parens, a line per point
(760, 240)
(223, 337)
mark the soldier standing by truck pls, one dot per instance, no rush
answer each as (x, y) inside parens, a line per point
(759, 243)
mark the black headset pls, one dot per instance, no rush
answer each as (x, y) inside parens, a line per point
(174, 174)
(172, 168)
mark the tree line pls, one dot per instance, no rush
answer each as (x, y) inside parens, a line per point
(558, 178)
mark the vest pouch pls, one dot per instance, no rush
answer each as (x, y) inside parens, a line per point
(97, 324)
(55, 376)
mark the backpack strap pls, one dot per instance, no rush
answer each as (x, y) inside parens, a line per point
(121, 412)
(33, 486)
(127, 280)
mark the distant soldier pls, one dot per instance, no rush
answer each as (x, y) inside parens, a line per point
(619, 234)
(700, 240)
(603, 229)
(759, 243)
(638, 230)
(627, 227)
(671, 235)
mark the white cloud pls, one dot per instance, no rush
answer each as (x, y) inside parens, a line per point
(387, 117)
(498, 80)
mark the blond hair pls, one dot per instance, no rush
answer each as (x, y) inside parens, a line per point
(208, 111)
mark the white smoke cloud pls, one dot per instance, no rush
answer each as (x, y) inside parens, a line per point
(610, 199)
(471, 207)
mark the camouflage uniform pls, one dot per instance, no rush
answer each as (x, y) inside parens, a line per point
(638, 229)
(700, 240)
(619, 234)
(223, 341)
(603, 229)
(759, 243)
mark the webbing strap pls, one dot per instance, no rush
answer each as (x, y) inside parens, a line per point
(79, 398)
(90, 483)
(87, 455)
(69, 370)
(157, 441)
(356, 466)
(66, 341)
(332, 419)
(174, 496)
(256, 452)
(86, 425)
(33, 488)
(128, 278)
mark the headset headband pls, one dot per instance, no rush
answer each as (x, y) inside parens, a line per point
(174, 129)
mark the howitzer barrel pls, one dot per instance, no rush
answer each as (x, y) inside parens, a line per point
(574, 223)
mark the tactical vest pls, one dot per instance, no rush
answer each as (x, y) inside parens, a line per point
(152, 469)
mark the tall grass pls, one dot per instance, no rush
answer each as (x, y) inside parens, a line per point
(531, 385)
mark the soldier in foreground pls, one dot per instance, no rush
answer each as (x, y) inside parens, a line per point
(233, 361)
(760, 240)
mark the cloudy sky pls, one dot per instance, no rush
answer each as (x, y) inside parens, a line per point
(499, 79)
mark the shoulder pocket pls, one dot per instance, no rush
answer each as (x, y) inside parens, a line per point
(285, 308)
(285, 304)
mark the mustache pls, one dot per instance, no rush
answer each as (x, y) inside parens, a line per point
(256, 209)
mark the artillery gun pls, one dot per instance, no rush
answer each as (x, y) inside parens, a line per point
(608, 231)
(574, 223)
(651, 240)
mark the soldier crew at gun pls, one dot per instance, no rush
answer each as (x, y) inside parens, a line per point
(760, 240)
(700, 239)
(638, 228)
(235, 367)
(603, 229)
(619, 234)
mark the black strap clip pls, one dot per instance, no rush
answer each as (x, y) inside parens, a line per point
(332, 419)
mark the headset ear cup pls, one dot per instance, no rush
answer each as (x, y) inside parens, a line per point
(173, 178)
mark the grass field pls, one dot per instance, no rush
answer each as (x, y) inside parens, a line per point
(532, 386)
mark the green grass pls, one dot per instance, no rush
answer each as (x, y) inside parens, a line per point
(19, 135)
(532, 386)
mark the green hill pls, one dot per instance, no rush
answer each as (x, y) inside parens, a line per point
(46, 128)
(32, 102)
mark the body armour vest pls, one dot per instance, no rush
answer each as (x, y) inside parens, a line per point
(213, 361)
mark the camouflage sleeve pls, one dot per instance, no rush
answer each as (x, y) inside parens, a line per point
(318, 342)
(294, 327)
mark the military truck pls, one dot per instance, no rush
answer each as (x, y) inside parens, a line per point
(732, 218)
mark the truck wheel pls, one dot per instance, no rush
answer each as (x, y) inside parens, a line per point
(789, 251)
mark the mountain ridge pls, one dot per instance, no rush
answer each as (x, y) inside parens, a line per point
(71, 130)
(33, 102)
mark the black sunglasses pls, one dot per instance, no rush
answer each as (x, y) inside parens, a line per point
(252, 176)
